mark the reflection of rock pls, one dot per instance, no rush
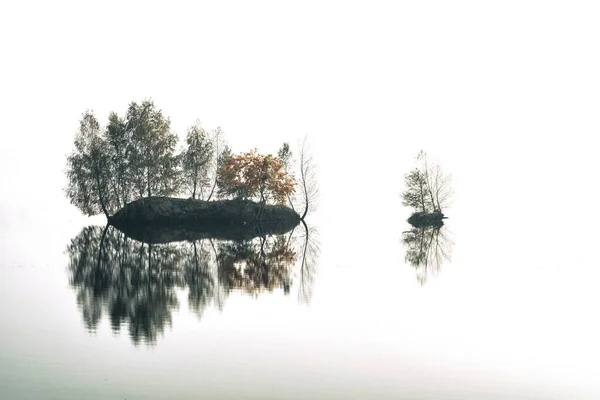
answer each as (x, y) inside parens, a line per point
(167, 211)
(135, 284)
(155, 233)
(425, 219)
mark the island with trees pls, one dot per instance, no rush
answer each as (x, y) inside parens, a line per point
(427, 191)
(134, 173)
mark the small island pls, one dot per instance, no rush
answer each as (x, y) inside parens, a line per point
(427, 190)
(420, 219)
(134, 173)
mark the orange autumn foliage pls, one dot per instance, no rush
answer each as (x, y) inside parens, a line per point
(255, 176)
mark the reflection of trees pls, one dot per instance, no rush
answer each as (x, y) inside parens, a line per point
(198, 275)
(426, 249)
(256, 265)
(308, 262)
(134, 284)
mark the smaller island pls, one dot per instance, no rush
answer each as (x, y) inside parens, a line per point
(421, 219)
(427, 190)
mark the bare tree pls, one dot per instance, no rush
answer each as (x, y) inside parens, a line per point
(427, 188)
(440, 186)
(307, 182)
(220, 155)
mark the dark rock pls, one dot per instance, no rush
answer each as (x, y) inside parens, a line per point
(165, 219)
(423, 219)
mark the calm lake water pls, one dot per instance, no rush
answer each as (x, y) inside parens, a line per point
(510, 314)
(504, 95)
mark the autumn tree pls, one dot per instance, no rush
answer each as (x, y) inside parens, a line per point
(255, 176)
(88, 165)
(196, 161)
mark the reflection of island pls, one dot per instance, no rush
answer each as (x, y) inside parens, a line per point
(136, 283)
(427, 248)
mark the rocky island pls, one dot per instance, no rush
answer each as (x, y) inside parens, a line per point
(167, 219)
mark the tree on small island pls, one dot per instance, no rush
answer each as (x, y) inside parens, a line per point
(427, 190)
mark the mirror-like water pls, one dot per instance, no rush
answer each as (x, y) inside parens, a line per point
(499, 302)
(484, 306)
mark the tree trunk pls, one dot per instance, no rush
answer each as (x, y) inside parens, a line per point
(148, 180)
(422, 197)
(304, 188)
(102, 204)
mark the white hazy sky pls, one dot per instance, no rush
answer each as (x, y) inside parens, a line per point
(387, 78)
(505, 93)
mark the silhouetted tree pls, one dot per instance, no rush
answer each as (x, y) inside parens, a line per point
(132, 158)
(88, 169)
(415, 194)
(196, 161)
(427, 188)
(151, 152)
(119, 142)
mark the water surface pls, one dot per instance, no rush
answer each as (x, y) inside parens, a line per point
(504, 96)
(507, 312)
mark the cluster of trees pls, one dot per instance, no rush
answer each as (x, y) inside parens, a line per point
(134, 156)
(427, 187)
(137, 156)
